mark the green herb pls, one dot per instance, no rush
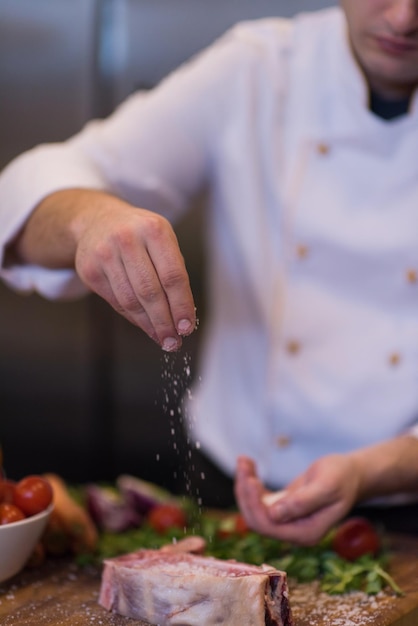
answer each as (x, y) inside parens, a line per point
(303, 564)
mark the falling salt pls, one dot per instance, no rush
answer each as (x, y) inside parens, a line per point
(177, 394)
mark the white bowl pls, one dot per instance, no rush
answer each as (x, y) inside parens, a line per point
(18, 540)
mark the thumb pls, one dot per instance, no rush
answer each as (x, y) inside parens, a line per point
(298, 502)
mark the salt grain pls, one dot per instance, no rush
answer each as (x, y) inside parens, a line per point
(351, 609)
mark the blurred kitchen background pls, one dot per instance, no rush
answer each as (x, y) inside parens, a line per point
(82, 392)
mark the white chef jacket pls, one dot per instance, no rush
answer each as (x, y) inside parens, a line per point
(312, 342)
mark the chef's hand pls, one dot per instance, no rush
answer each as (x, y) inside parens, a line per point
(128, 256)
(307, 508)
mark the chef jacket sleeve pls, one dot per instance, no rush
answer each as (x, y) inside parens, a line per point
(154, 151)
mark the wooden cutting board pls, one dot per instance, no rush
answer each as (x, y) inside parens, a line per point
(60, 594)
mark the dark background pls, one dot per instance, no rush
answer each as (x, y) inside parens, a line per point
(83, 392)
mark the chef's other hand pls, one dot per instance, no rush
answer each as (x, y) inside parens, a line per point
(309, 506)
(127, 255)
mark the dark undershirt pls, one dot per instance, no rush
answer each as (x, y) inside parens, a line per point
(388, 109)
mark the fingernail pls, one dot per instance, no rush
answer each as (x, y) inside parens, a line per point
(170, 344)
(184, 326)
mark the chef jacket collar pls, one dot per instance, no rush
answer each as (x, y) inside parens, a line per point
(341, 104)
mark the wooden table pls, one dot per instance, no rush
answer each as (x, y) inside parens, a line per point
(60, 594)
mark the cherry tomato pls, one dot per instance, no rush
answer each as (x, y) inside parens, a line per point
(33, 494)
(10, 513)
(233, 525)
(7, 490)
(163, 517)
(354, 538)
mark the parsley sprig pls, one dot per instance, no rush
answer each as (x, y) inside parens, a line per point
(337, 575)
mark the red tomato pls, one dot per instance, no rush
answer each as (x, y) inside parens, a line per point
(354, 538)
(33, 494)
(10, 513)
(233, 525)
(7, 490)
(165, 516)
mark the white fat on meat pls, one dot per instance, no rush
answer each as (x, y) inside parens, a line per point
(174, 589)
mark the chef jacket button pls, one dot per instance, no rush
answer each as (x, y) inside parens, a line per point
(302, 251)
(283, 441)
(394, 359)
(412, 276)
(293, 346)
(323, 148)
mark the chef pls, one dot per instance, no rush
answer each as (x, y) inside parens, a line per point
(305, 133)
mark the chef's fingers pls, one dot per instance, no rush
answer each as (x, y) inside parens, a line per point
(329, 486)
(99, 264)
(305, 514)
(245, 472)
(306, 530)
(253, 499)
(245, 467)
(305, 511)
(140, 271)
(249, 492)
(166, 257)
(157, 288)
(295, 504)
(254, 502)
(117, 291)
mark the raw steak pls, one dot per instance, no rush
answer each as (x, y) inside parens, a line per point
(171, 588)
